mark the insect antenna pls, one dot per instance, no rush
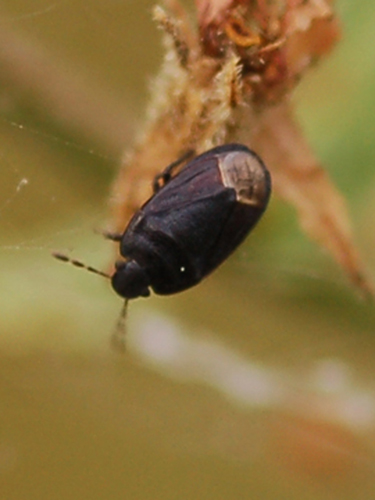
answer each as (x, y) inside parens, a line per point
(119, 334)
(78, 263)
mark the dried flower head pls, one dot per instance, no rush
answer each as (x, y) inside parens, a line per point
(230, 79)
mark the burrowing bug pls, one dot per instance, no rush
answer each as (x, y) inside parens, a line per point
(193, 222)
(195, 219)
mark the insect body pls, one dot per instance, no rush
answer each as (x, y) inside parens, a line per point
(192, 223)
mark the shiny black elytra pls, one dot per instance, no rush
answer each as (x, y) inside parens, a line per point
(192, 223)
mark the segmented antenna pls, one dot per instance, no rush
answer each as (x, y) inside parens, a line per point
(119, 334)
(78, 263)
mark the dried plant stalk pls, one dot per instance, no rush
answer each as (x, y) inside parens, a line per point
(230, 80)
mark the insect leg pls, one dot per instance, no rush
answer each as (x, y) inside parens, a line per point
(165, 176)
(111, 236)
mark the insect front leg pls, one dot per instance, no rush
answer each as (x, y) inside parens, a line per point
(109, 235)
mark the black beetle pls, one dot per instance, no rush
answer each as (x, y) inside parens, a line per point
(192, 223)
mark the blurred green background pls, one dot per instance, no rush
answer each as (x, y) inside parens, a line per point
(258, 383)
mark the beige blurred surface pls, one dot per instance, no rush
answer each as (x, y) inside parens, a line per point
(259, 383)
